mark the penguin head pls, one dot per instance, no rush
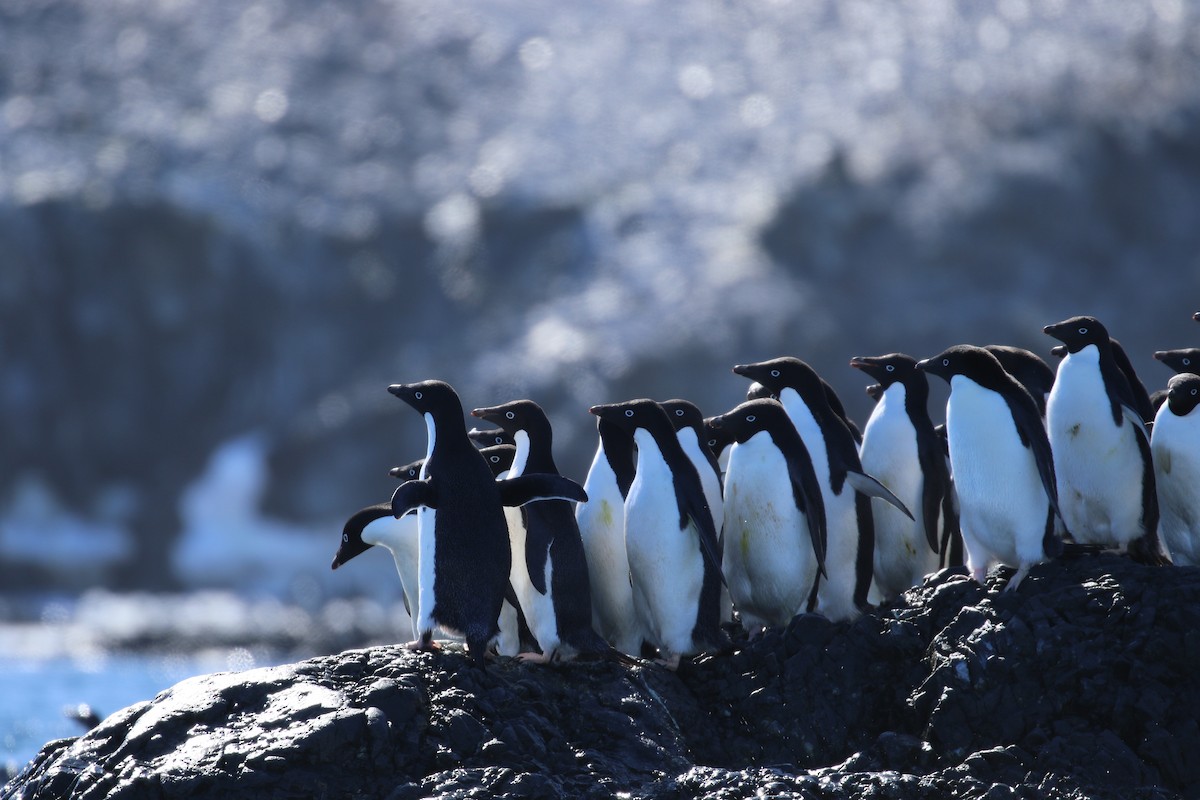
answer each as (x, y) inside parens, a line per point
(1196, 316)
(352, 543)
(1077, 333)
(499, 457)
(889, 369)
(785, 373)
(429, 397)
(967, 360)
(1185, 360)
(1183, 393)
(684, 414)
(749, 418)
(717, 438)
(633, 414)
(758, 392)
(518, 415)
(409, 472)
(490, 437)
(1026, 366)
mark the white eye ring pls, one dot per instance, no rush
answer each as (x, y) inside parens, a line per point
(750, 418)
(1083, 330)
(495, 459)
(629, 412)
(945, 362)
(679, 412)
(345, 537)
(774, 373)
(713, 442)
(891, 368)
(412, 472)
(1193, 391)
(418, 395)
(1187, 361)
(510, 415)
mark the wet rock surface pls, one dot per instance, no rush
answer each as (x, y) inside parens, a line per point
(1078, 685)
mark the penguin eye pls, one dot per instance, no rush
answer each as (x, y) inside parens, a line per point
(412, 472)
(510, 415)
(713, 442)
(945, 362)
(495, 459)
(750, 418)
(1187, 361)
(345, 537)
(418, 395)
(891, 368)
(629, 412)
(774, 373)
(679, 412)
(1083, 330)
(1193, 391)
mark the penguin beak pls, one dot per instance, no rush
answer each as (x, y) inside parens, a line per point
(402, 391)
(1159, 355)
(924, 364)
(1196, 316)
(742, 369)
(1059, 351)
(489, 414)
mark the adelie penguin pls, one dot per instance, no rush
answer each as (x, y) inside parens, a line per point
(375, 525)
(670, 537)
(1176, 447)
(549, 571)
(1185, 359)
(464, 550)
(602, 528)
(845, 489)
(774, 549)
(901, 449)
(1101, 448)
(1002, 464)
(1029, 369)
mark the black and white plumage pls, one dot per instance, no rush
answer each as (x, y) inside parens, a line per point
(846, 489)
(1028, 368)
(901, 449)
(1186, 359)
(549, 572)
(670, 537)
(1002, 464)
(1176, 446)
(774, 547)
(1101, 447)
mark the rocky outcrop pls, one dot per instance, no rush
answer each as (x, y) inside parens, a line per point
(1080, 684)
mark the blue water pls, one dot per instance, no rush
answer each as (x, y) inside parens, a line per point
(36, 691)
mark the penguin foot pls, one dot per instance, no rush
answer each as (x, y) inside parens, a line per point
(424, 644)
(535, 658)
(1016, 579)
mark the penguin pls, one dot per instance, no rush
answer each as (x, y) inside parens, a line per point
(670, 537)
(549, 570)
(490, 437)
(375, 525)
(758, 391)
(1139, 398)
(950, 551)
(689, 429)
(1175, 444)
(602, 528)
(774, 549)
(1029, 369)
(464, 549)
(1002, 464)
(902, 450)
(1184, 360)
(719, 442)
(1196, 316)
(845, 489)
(1101, 449)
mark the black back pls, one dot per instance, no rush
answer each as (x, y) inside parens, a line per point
(619, 452)
(1028, 368)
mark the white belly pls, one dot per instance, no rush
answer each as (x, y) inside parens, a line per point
(1176, 449)
(1002, 503)
(602, 528)
(401, 537)
(889, 454)
(769, 561)
(665, 564)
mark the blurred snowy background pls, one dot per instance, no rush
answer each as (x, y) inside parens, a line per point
(226, 227)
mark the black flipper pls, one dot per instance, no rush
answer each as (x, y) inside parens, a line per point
(410, 495)
(864, 484)
(933, 489)
(806, 490)
(539, 486)
(1033, 435)
(694, 512)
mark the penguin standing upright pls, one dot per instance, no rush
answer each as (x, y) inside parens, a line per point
(774, 547)
(464, 550)
(902, 450)
(1029, 369)
(1101, 449)
(1176, 447)
(550, 574)
(670, 537)
(1002, 464)
(689, 429)
(602, 528)
(845, 489)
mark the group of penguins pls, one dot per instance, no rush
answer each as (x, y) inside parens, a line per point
(781, 506)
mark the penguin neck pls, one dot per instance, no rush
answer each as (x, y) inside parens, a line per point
(430, 441)
(521, 457)
(616, 448)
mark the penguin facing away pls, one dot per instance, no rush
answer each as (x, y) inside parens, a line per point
(670, 537)
(846, 490)
(1028, 368)
(1101, 449)
(774, 549)
(901, 449)
(1002, 464)
(550, 573)
(464, 550)
(602, 528)
(1176, 447)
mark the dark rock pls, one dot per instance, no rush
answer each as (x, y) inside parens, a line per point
(1078, 685)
